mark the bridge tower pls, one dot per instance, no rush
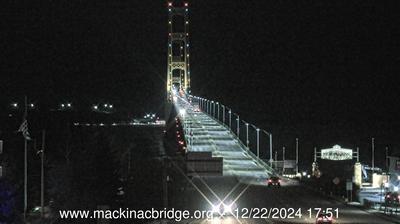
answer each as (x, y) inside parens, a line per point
(178, 71)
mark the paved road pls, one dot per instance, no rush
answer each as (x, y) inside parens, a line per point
(260, 196)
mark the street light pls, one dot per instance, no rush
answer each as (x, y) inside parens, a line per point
(14, 105)
(95, 107)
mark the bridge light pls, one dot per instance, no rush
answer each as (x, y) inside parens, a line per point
(111, 106)
(169, 10)
(32, 105)
(186, 4)
(187, 22)
(62, 105)
(169, 4)
(14, 105)
(169, 22)
(95, 107)
(69, 105)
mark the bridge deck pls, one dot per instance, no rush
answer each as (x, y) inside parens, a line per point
(210, 135)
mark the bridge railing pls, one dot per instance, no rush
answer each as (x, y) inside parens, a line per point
(257, 141)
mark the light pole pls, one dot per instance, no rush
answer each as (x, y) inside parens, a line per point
(223, 114)
(237, 126)
(218, 111)
(270, 148)
(297, 156)
(213, 108)
(247, 135)
(373, 155)
(283, 159)
(230, 118)
(258, 142)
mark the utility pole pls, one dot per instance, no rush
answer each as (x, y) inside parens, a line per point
(297, 155)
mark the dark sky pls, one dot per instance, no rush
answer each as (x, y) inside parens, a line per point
(324, 71)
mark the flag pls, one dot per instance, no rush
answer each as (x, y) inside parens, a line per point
(24, 129)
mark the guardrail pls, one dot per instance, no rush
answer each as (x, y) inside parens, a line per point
(252, 138)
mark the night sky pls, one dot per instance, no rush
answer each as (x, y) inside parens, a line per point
(323, 71)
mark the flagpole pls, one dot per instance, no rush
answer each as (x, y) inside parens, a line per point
(26, 164)
(42, 175)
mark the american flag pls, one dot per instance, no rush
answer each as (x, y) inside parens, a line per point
(24, 129)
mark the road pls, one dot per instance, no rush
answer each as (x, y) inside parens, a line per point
(289, 195)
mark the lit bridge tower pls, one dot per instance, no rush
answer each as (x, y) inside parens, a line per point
(178, 71)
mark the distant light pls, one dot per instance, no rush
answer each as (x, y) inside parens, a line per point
(396, 188)
(111, 106)
(386, 185)
(187, 10)
(169, 10)
(62, 105)
(182, 112)
(68, 105)
(304, 173)
(186, 4)
(169, 3)
(105, 105)
(95, 107)
(32, 105)
(15, 104)
(187, 22)
(175, 98)
(308, 176)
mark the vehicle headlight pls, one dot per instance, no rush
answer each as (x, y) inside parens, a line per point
(227, 208)
(216, 208)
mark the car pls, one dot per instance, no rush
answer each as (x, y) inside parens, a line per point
(324, 218)
(392, 198)
(274, 181)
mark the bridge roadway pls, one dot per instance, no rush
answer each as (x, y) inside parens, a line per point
(205, 134)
